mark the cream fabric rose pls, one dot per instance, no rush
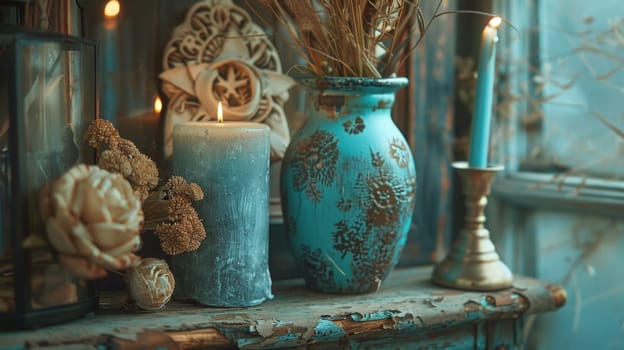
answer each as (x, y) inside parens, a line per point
(94, 221)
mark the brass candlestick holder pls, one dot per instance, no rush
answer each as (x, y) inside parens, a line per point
(472, 263)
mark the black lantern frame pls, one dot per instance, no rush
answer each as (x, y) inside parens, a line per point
(74, 92)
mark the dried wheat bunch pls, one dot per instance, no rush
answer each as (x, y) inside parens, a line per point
(363, 38)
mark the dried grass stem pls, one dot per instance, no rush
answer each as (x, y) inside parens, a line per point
(363, 38)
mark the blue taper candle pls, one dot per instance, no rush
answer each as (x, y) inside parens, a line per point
(482, 116)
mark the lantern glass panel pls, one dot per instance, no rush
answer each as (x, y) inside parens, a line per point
(48, 99)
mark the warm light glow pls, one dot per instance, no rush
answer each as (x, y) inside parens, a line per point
(495, 22)
(112, 8)
(219, 113)
(157, 105)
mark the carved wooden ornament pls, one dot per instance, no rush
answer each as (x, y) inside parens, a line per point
(219, 54)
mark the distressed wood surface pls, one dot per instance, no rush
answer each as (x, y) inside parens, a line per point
(408, 310)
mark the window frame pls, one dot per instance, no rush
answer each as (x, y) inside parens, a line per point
(522, 193)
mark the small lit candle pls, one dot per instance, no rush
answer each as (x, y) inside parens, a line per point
(157, 105)
(482, 116)
(230, 161)
(111, 9)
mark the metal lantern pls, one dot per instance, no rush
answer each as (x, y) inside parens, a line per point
(47, 99)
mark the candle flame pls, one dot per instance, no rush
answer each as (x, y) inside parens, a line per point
(157, 105)
(495, 22)
(219, 113)
(112, 9)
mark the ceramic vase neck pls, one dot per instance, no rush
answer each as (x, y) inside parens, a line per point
(342, 96)
(353, 85)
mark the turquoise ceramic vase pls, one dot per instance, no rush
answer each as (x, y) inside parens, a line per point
(348, 185)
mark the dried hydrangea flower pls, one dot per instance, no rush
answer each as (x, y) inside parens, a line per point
(123, 157)
(179, 186)
(180, 229)
(184, 231)
(93, 221)
(102, 132)
(150, 283)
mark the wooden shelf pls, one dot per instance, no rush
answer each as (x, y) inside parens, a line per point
(408, 311)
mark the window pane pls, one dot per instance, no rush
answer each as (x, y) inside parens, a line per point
(566, 65)
(582, 253)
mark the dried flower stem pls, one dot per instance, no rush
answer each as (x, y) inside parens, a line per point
(363, 38)
(358, 38)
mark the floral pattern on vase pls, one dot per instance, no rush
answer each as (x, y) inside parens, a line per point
(315, 165)
(348, 185)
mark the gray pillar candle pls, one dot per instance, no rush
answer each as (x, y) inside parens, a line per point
(230, 161)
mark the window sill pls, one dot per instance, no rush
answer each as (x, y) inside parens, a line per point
(573, 193)
(408, 309)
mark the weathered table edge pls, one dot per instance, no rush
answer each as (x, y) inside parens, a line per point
(408, 303)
